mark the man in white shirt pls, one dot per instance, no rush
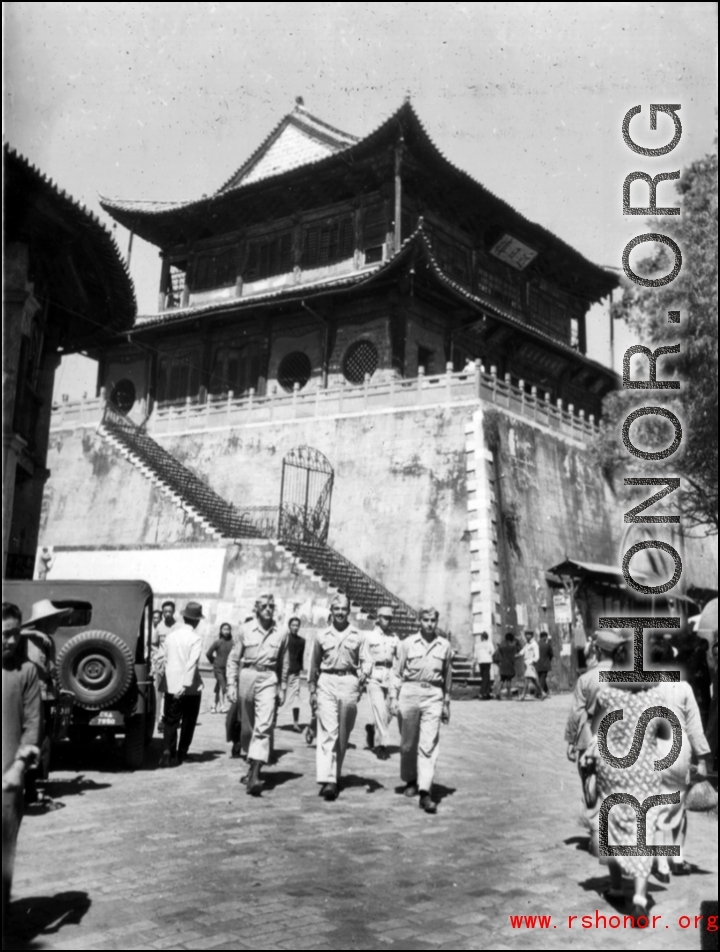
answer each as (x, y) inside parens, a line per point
(381, 647)
(161, 629)
(484, 657)
(530, 654)
(180, 657)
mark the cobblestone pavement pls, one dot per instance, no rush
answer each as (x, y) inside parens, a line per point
(184, 859)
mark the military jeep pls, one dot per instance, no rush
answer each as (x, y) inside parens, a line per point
(102, 660)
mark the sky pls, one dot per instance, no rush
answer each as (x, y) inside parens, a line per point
(163, 101)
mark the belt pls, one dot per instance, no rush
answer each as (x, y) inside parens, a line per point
(258, 667)
(383, 664)
(341, 672)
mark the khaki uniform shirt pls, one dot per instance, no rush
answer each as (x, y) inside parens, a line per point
(579, 730)
(419, 660)
(335, 650)
(256, 645)
(381, 651)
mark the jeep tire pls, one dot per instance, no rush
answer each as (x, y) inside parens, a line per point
(97, 667)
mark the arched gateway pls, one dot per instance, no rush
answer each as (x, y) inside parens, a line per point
(305, 494)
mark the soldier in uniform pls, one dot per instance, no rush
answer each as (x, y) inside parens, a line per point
(257, 674)
(338, 670)
(381, 647)
(421, 688)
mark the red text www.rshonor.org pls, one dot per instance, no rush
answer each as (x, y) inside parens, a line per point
(600, 921)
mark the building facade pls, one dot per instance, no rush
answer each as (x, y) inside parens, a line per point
(358, 349)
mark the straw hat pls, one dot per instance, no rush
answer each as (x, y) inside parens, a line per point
(45, 609)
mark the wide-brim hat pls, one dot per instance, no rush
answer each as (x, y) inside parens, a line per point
(708, 620)
(193, 610)
(45, 609)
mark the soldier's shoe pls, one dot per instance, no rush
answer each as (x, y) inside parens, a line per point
(411, 789)
(370, 735)
(382, 753)
(254, 781)
(330, 791)
(427, 803)
(165, 758)
(236, 750)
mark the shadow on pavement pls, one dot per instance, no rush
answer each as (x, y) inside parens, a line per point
(353, 780)
(75, 787)
(276, 778)
(440, 791)
(581, 843)
(38, 916)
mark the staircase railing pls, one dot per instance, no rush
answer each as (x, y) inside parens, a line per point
(257, 522)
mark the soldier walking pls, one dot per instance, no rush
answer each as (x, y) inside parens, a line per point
(257, 674)
(381, 647)
(422, 683)
(338, 669)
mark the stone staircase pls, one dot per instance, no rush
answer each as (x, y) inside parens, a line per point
(225, 521)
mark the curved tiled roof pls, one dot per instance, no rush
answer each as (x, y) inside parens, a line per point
(418, 242)
(147, 216)
(28, 192)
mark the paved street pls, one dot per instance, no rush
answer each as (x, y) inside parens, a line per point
(184, 859)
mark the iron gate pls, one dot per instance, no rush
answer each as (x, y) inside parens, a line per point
(305, 494)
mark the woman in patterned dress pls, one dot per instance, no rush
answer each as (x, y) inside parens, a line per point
(640, 779)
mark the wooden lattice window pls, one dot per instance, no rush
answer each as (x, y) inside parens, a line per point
(327, 242)
(178, 377)
(269, 256)
(215, 269)
(500, 283)
(235, 368)
(361, 358)
(452, 256)
(295, 368)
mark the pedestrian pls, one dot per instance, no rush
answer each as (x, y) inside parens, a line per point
(381, 647)
(338, 670)
(156, 619)
(485, 661)
(257, 674)
(296, 660)
(180, 658)
(217, 655)
(504, 657)
(160, 631)
(422, 684)
(37, 632)
(580, 729)
(530, 653)
(639, 779)
(672, 817)
(21, 721)
(544, 662)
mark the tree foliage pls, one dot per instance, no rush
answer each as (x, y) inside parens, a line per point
(645, 310)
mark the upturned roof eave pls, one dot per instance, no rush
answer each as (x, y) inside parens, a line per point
(405, 120)
(416, 243)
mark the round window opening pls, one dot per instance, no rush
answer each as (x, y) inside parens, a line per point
(294, 369)
(360, 359)
(123, 395)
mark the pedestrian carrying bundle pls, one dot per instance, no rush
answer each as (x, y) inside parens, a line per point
(701, 797)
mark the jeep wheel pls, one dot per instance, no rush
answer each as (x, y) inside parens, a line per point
(134, 741)
(97, 668)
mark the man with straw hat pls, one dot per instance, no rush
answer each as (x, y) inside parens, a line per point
(37, 633)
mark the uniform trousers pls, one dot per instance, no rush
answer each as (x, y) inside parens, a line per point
(292, 698)
(378, 696)
(337, 700)
(419, 713)
(257, 691)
